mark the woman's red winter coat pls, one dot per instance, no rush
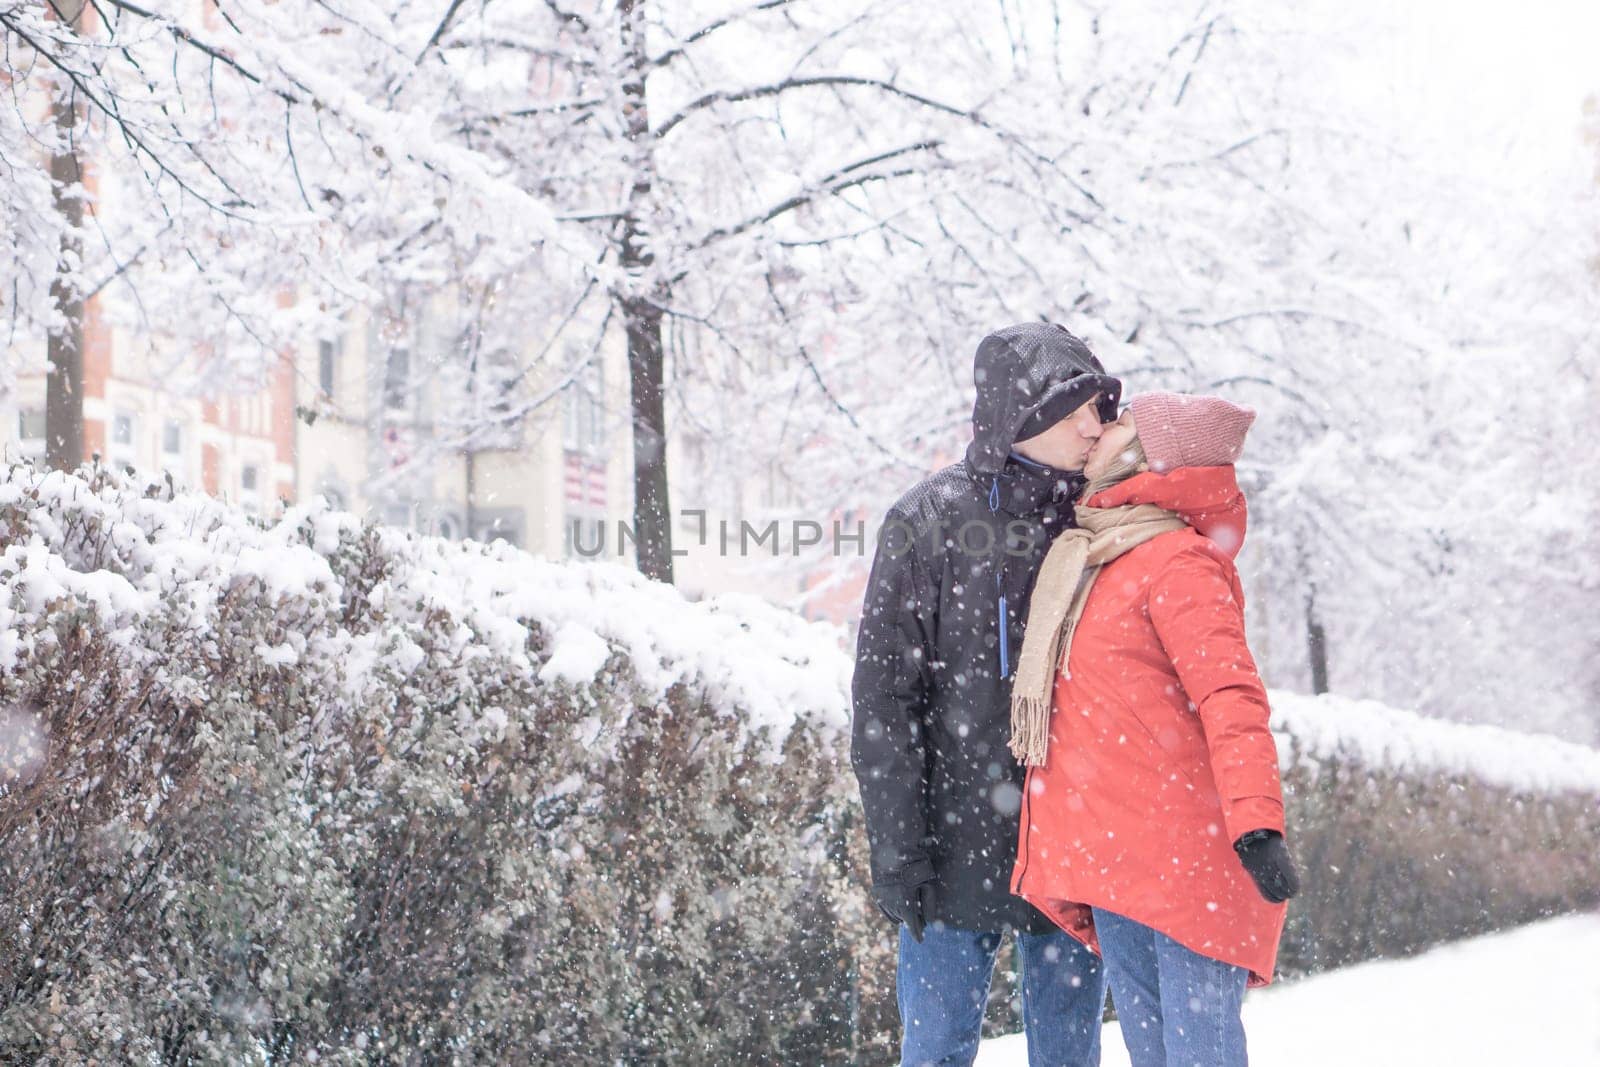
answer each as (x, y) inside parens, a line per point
(1160, 755)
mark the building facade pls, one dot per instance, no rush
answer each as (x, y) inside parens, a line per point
(379, 418)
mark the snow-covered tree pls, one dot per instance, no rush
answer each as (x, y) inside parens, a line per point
(226, 177)
(746, 169)
(802, 217)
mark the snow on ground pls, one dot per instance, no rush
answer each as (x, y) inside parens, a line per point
(1525, 996)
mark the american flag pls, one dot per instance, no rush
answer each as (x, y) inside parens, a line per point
(585, 482)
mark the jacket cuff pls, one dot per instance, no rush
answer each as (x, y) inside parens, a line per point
(917, 871)
(1250, 837)
(911, 873)
(1254, 813)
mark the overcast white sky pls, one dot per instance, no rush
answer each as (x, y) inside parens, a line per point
(1501, 83)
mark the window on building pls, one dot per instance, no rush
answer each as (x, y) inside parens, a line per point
(123, 450)
(584, 409)
(171, 437)
(571, 414)
(328, 352)
(30, 429)
(397, 379)
(597, 407)
(247, 478)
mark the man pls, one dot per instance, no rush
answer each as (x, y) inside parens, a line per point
(941, 627)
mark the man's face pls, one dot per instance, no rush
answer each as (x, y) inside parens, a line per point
(1065, 445)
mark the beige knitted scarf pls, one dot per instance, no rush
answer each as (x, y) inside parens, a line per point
(1059, 593)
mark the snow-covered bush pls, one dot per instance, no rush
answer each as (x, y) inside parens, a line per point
(1414, 831)
(322, 791)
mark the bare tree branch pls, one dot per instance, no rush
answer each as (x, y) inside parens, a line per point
(830, 184)
(568, 16)
(190, 39)
(711, 27)
(755, 92)
(438, 32)
(972, 115)
(110, 111)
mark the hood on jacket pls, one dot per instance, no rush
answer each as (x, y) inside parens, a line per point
(1207, 498)
(1034, 373)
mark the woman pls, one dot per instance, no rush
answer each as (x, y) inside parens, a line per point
(1152, 819)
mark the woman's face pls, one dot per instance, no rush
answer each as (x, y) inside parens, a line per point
(1114, 437)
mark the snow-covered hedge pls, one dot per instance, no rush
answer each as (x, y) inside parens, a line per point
(318, 791)
(309, 790)
(1413, 831)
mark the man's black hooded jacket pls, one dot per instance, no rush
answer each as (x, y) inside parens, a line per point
(941, 627)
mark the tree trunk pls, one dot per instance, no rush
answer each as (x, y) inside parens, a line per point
(1316, 644)
(63, 406)
(641, 314)
(651, 509)
(472, 495)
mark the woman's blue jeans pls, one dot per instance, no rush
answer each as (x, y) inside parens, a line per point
(942, 985)
(1176, 1007)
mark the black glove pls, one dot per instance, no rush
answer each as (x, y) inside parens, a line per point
(1266, 857)
(905, 905)
(904, 893)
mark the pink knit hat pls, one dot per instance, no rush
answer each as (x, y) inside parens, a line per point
(1186, 430)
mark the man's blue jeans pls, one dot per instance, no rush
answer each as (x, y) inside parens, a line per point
(1176, 1007)
(943, 984)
